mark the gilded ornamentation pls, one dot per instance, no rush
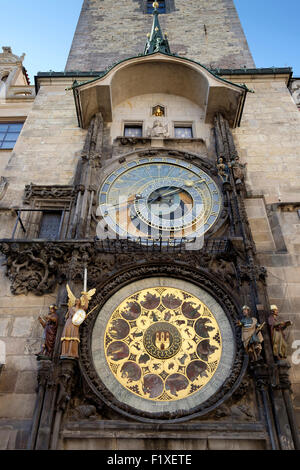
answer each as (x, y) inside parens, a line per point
(158, 111)
(162, 197)
(163, 344)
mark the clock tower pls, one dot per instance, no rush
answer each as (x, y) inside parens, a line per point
(143, 207)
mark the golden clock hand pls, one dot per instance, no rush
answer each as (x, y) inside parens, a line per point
(189, 184)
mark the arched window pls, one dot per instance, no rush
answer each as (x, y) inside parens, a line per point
(161, 8)
(4, 78)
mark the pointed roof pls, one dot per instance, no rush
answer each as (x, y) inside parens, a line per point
(157, 41)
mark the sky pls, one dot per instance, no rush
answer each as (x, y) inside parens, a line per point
(44, 31)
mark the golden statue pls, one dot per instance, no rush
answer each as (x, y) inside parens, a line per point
(158, 111)
(278, 328)
(74, 318)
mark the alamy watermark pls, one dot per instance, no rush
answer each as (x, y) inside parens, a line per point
(296, 353)
(163, 218)
(2, 353)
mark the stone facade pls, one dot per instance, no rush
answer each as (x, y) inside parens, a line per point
(295, 90)
(268, 141)
(207, 31)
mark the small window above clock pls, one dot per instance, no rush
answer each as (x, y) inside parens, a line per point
(161, 6)
(133, 130)
(183, 131)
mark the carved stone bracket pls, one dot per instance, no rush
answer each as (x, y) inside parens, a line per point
(133, 140)
(44, 372)
(283, 367)
(33, 191)
(67, 379)
(262, 375)
(249, 273)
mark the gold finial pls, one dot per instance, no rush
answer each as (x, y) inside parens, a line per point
(155, 5)
(148, 35)
(156, 29)
(166, 35)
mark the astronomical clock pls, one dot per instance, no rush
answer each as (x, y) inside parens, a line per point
(160, 347)
(159, 197)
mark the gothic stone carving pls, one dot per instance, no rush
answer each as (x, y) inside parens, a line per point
(3, 186)
(38, 267)
(92, 150)
(33, 191)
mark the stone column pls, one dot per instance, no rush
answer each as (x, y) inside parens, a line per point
(86, 178)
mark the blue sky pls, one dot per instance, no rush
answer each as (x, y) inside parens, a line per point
(44, 31)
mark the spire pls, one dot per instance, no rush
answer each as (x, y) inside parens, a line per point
(157, 41)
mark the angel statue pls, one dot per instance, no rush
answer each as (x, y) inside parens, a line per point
(74, 318)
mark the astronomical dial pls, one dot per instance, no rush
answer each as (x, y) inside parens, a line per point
(163, 344)
(160, 198)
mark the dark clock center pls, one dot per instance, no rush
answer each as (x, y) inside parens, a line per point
(170, 200)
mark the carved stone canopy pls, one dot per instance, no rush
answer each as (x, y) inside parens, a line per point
(159, 73)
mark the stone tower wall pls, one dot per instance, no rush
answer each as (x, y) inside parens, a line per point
(208, 31)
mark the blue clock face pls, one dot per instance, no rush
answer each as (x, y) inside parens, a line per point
(160, 197)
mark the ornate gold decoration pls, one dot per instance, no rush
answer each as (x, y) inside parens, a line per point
(158, 111)
(163, 344)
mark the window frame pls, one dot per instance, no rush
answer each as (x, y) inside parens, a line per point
(9, 122)
(190, 125)
(149, 7)
(133, 124)
(169, 7)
